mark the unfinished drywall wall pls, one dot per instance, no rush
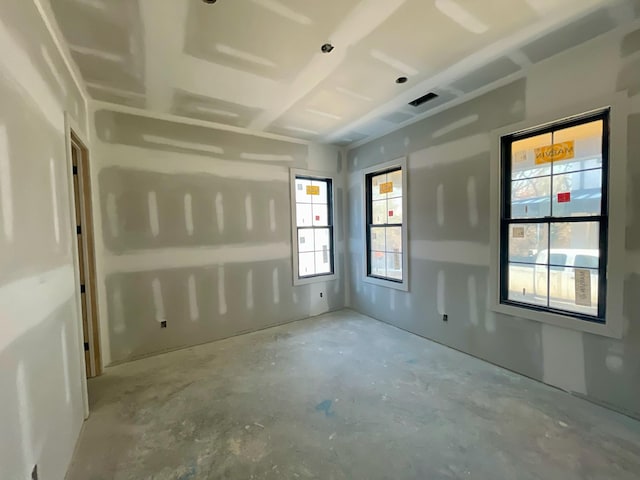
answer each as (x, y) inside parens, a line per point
(41, 366)
(194, 229)
(448, 221)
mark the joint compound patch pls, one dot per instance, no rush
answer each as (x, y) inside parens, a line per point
(583, 287)
(386, 187)
(517, 232)
(313, 190)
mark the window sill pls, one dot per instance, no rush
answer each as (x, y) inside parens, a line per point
(403, 286)
(297, 281)
(559, 320)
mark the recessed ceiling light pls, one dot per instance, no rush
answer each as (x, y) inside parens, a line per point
(210, 1)
(326, 48)
(401, 80)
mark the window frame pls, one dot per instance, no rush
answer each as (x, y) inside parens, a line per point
(603, 218)
(613, 319)
(393, 165)
(295, 173)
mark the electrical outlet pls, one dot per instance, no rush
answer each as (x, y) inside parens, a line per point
(321, 294)
(445, 318)
(163, 324)
(34, 472)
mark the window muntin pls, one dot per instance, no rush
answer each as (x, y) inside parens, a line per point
(554, 218)
(314, 226)
(384, 225)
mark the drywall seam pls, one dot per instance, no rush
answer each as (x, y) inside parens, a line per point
(249, 289)
(170, 142)
(222, 298)
(98, 105)
(163, 38)
(25, 417)
(272, 215)
(472, 199)
(464, 253)
(188, 214)
(159, 161)
(633, 262)
(54, 201)
(344, 245)
(450, 152)
(56, 36)
(248, 211)
(458, 124)
(154, 222)
(112, 214)
(6, 202)
(149, 260)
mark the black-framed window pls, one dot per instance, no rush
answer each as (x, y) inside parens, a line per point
(314, 226)
(384, 224)
(554, 217)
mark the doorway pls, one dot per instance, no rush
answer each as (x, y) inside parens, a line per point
(86, 255)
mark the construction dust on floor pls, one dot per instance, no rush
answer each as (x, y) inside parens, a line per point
(342, 396)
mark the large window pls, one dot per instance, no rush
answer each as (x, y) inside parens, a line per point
(385, 225)
(554, 218)
(312, 198)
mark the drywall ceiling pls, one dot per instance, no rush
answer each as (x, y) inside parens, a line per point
(257, 63)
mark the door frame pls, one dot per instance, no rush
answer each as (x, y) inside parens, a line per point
(81, 171)
(74, 139)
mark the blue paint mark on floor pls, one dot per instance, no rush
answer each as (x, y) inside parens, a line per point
(325, 406)
(412, 361)
(190, 475)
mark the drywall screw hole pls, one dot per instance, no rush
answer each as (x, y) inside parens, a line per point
(326, 48)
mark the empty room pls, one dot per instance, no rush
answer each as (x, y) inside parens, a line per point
(305, 239)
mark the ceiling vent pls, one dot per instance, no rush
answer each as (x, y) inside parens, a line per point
(424, 99)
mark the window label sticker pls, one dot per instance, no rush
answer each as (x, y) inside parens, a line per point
(317, 218)
(391, 213)
(564, 197)
(518, 232)
(555, 152)
(583, 287)
(520, 157)
(313, 190)
(386, 187)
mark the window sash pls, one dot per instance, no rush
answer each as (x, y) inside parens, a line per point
(603, 219)
(370, 224)
(329, 226)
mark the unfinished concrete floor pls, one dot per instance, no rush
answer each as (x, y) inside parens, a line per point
(342, 396)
